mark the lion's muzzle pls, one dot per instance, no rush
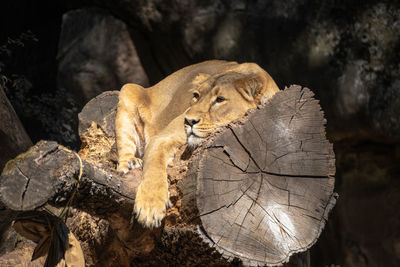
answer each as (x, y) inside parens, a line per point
(193, 136)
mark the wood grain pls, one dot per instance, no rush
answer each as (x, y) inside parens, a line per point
(265, 186)
(258, 191)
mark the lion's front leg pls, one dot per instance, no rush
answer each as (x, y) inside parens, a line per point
(129, 128)
(152, 197)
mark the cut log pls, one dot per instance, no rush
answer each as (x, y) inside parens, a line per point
(13, 141)
(264, 187)
(256, 192)
(101, 109)
(47, 173)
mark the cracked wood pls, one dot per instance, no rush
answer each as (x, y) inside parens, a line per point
(260, 190)
(47, 174)
(264, 186)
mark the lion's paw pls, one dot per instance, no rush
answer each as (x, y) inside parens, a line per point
(151, 205)
(126, 166)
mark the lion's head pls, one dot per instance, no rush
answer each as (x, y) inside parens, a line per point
(218, 100)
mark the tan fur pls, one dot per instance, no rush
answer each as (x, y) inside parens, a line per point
(183, 108)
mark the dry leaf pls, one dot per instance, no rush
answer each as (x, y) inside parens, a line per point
(52, 237)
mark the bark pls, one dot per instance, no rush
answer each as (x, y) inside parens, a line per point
(13, 138)
(256, 192)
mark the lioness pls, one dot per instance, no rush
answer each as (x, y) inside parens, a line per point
(183, 108)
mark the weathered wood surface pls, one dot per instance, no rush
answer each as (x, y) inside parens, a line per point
(258, 191)
(101, 109)
(47, 173)
(13, 138)
(13, 141)
(264, 188)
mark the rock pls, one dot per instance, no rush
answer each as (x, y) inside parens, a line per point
(96, 54)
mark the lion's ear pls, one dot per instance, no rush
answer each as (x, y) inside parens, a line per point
(251, 87)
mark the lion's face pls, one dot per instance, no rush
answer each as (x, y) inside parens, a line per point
(220, 100)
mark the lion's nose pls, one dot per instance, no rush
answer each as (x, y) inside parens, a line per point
(191, 122)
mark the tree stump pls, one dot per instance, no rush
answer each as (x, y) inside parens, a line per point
(256, 192)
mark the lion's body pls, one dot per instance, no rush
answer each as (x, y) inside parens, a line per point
(183, 108)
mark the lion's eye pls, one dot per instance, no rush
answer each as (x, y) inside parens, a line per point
(196, 96)
(220, 99)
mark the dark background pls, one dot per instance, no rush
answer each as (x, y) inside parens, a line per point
(56, 55)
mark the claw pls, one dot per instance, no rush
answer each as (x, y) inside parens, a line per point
(135, 163)
(140, 163)
(131, 164)
(150, 209)
(169, 204)
(122, 170)
(138, 213)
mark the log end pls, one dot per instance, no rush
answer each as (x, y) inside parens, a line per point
(25, 186)
(264, 186)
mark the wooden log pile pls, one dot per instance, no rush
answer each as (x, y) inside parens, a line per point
(255, 193)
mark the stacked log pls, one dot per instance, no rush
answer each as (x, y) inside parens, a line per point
(254, 193)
